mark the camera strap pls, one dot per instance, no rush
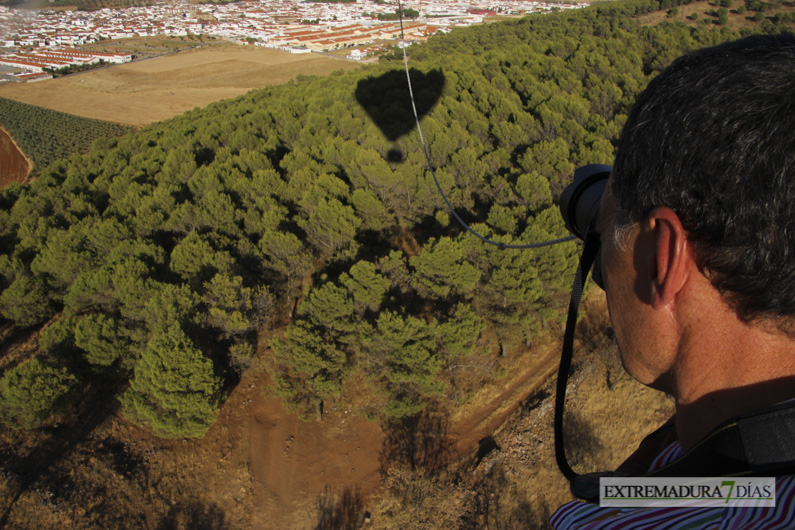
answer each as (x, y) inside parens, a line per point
(589, 253)
(758, 444)
(761, 443)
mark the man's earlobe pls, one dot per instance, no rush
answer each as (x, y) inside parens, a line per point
(671, 255)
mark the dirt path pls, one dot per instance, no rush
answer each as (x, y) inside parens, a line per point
(486, 419)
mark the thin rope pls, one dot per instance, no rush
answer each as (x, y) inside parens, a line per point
(458, 218)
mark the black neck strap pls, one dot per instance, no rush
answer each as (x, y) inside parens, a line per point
(758, 444)
(589, 252)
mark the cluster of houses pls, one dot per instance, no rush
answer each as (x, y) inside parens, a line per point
(299, 26)
(310, 38)
(33, 65)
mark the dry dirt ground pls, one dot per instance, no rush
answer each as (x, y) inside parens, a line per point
(151, 90)
(511, 480)
(260, 467)
(14, 167)
(295, 463)
(297, 466)
(257, 467)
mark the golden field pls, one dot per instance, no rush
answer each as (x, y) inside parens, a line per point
(151, 90)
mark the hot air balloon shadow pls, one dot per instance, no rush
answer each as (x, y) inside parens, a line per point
(387, 101)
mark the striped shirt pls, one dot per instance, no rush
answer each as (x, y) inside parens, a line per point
(588, 516)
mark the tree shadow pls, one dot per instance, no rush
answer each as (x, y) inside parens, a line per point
(485, 446)
(387, 100)
(419, 442)
(98, 404)
(580, 440)
(535, 400)
(194, 516)
(527, 515)
(496, 503)
(340, 511)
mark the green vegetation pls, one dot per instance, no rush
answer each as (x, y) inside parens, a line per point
(31, 392)
(165, 258)
(174, 387)
(407, 13)
(47, 135)
(75, 68)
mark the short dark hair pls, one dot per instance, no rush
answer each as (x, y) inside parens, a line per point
(713, 138)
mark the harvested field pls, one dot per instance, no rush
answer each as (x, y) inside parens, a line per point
(152, 90)
(14, 167)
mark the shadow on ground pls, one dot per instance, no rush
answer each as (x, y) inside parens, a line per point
(337, 511)
(419, 442)
(196, 516)
(387, 100)
(62, 440)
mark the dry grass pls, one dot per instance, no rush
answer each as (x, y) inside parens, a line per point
(511, 480)
(737, 21)
(142, 47)
(152, 90)
(607, 415)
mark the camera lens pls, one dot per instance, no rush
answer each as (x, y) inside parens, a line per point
(579, 202)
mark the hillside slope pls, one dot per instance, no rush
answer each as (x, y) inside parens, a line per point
(295, 232)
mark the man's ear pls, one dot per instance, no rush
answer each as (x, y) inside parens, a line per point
(672, 255)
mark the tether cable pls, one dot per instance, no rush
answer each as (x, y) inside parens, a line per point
(458, 218)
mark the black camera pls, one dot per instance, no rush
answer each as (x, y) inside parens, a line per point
(579, 202)
(579, 205)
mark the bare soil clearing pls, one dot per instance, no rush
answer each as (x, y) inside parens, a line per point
(294, 462)
(14, 166)
(151, 90)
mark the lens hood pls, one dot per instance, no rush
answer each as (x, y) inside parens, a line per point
(579, 202)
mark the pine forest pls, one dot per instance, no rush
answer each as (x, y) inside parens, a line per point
(300, 225)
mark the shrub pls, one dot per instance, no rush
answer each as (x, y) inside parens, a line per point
(31, 392)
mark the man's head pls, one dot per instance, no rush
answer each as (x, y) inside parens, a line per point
(713, 139)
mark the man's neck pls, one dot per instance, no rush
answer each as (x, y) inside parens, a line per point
(749, 369)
